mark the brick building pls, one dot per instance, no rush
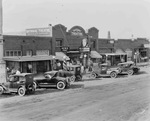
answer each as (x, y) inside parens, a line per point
(38, 51)
(29, 53)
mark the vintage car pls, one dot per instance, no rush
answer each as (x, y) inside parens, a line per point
(128, 67)
(103, 70)
(69, 74)
(76, 71)
(18, 83)
(52, 79)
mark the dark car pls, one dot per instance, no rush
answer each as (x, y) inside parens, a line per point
(76, 71)
(18, 83)
(69, 74)
(52, 79)
(128, 68)
(103, 70)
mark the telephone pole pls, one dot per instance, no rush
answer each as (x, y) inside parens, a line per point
(2, 63)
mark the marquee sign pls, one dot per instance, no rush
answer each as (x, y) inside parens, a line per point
(84, 49)
(77, 32)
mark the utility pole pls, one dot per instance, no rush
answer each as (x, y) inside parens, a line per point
(2, 63)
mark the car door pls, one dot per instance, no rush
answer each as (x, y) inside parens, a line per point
(13, 87)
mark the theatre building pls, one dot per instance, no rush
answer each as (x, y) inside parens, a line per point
(77, 44)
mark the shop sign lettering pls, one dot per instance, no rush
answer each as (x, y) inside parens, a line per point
(42, 52)
(77, 32)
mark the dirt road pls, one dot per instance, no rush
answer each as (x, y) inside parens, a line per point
(121, 99)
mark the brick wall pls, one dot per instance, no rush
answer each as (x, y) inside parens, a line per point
(24, 43)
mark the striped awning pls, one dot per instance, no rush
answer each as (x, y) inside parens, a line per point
(61, 56)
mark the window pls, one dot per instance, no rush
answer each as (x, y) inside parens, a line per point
(29, 53)
(59, 43)
(13, 53)
(93, 44)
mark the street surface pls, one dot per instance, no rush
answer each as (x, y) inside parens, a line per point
(126, 98)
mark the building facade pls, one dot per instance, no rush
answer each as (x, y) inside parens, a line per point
(36, 54)
(30, 54)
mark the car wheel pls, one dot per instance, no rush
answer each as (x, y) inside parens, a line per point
(72, 79)
(1, 90)
(78, 78)
(113, 74)
(119, 70)
(33, 90)
(68, 85)
(93, 75)
(60, 85)
(136, 70)
(21, 91)
(130, 72)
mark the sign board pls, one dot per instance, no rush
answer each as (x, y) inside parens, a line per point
(64, 49)
(42, 52)
(84, 49)
(47, 31)
(77, 32)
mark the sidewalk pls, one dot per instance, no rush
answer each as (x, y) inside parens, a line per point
(144, 63)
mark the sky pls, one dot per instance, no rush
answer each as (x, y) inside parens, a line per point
(123, 18)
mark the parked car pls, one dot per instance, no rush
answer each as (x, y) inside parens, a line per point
(52, 79)
(18, 83)
(128, 68)
(69, 74)
(76, 71)
(103, 70)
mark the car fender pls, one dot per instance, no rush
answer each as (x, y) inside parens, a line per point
(21, 86)
(4, 87)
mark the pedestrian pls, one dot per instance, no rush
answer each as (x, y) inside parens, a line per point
(18, 71)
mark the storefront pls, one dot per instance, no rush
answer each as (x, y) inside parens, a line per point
(32, 64)
(113, 58)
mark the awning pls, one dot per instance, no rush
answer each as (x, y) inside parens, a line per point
(147, 45)
(61, 56)
(95, 54)
(27, 58)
